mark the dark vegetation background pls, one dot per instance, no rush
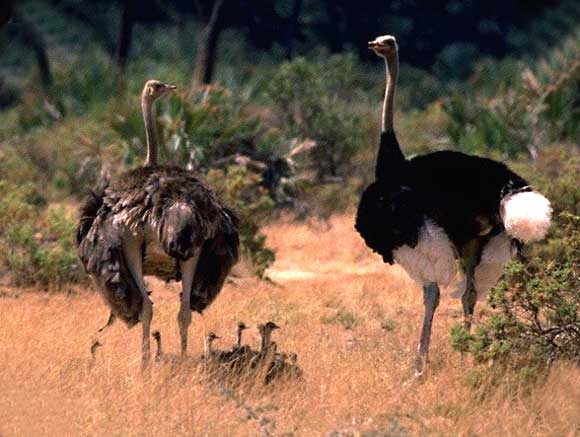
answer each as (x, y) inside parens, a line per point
(278, 104)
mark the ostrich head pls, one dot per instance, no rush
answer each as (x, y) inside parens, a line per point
(211, 336)
(155, 89)
(156, 335)
(385, 46)
(242, 326)
(267, 328)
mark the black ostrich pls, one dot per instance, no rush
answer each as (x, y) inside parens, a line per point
(425, 213)
(156, 220)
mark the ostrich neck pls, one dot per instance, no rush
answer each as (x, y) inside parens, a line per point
(159, 352)
(239, 339)
(265, 340)
(150, 131)
(392, 72)
(390, 160)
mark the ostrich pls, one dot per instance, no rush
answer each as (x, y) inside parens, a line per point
(160, 355)
(239, 330)
(209, 339)
(156, 220)
(426, 212)
(266, 332)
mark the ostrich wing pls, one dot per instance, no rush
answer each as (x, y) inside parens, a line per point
(388, 218)
(218, 256)
(100, 250)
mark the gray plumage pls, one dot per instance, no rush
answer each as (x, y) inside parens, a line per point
(161, 221)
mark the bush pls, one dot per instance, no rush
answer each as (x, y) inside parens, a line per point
(195, 134)
(241, 190)
(35, 242)
(513, 109)
(316, 100)
(537, 317)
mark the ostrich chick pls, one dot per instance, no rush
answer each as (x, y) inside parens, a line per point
(266, 333)
(239, 331)
(211, 337)
(161, 356)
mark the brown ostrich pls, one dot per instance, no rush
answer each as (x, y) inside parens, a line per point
(157, 220)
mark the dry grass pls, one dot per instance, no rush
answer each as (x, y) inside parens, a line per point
(324, 280)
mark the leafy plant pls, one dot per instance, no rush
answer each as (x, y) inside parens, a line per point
(195, 134)
(241, 190)
(316, 100)
(537, 317)
(36, 243)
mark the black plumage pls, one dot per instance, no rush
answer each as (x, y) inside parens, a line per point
(428, 211)
(459, 192)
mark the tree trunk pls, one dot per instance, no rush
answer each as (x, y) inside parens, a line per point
(125, 35)
(206, 48)
(6, 11)
(34, 39)
(293, 28)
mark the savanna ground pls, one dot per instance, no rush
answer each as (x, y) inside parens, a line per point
(352, 320)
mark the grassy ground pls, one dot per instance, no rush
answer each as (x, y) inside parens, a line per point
(352, 321)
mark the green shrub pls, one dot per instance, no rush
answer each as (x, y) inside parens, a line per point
(19, 204)
(513, 109)
(195, 133)
(317, 100)
(241, 190)
(36, 243)
(537, 309)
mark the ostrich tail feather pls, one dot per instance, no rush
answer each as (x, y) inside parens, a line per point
(526, 215)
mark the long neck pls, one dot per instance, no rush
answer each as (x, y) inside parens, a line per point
(209, 346)
(392, 70)
(239, 337)
(150, 131)
(159, 351)
(390, 159)
(265, 340)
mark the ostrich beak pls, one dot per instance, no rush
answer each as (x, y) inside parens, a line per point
(373, 44)
(171, 87)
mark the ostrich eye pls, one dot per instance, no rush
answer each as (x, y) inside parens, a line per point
(390, 42)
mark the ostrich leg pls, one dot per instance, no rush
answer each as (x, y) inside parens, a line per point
(184, 316)
(110, 321)
(431, 298)
(133, 255)
(469, 298)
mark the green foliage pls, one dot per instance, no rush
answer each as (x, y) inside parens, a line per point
(511, 108)
(19, 204)
(537, 317)
(195, 133)
(316, 100)
(241, 190)
(36, 243)
(556, 174)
